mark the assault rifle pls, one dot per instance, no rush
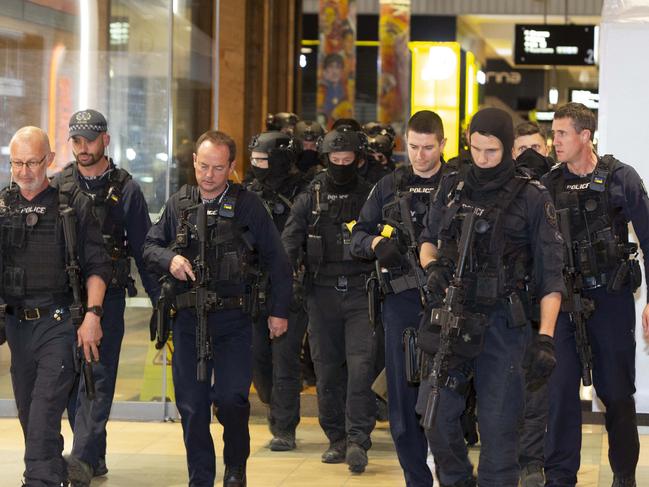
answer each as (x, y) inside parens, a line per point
(69, 219)
(576, 305)
(412, 254)
(450, 317)
(201, 270)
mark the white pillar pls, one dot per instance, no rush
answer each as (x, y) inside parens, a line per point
(623, 131)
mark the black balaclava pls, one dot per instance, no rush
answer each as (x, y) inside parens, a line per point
(342, 178)
(498, 123)
(307, 160)
(279, 169)
(535, 163)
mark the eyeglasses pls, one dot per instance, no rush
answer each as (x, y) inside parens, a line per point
(29, 164)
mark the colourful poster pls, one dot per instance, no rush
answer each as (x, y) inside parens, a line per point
(336, 60)
(394, 63)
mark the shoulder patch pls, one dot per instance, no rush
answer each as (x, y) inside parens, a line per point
(550, 213)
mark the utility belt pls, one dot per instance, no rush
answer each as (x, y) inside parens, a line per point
(395, 281)
(626, 273)
(31, 314)
(470, 326)
(214, 302)
(340, 283)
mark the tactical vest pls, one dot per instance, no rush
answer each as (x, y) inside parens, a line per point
(33, 248)
(231, 256)
(112, 223)
(333, 216)
(498, 270)
(599, 232)
(278, 205)
(419, 195)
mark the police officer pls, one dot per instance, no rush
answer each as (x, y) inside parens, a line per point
(36, 253)
(530, 149)
(599, 195)
(120, 206)
(530, 153)
(380, 143)
(515, 237)
(342, 342)
(239, 240)
(276, 362)
(306, 135)
(402, 303)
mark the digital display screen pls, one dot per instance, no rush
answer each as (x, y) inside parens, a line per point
(567, 45)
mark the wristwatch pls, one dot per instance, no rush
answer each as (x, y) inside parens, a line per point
(98, 310)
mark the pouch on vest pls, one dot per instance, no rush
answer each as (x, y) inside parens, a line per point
(516, 316)
(467, 345)
(314, 250)
(346, 235)
(13, 281)
(14, 233)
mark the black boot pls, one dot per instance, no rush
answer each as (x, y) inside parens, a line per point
(623, 481)
(235, 476)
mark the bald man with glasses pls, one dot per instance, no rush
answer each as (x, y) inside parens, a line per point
(36, 293)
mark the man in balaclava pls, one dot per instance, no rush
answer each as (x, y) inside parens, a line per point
(530, 152)
(307, 133)
(506, 225)
(276, 363)
(340, 335)
(530, 149)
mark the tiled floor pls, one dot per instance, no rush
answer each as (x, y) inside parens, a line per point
(151, 454)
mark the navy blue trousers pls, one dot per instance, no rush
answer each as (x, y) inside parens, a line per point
(611, 330)
(534, 424)
(42, 375)
(401, 311)
(88, 418)
(230, 370)
(499, 383)
(276, 370)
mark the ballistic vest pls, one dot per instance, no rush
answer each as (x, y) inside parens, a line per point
(231, 257)
(33, 247)
(277, 204)
(497, 267)
(598, 231)
(333, 216)
(112, 224)
(418, 194)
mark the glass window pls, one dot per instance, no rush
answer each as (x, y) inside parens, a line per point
(147, 66)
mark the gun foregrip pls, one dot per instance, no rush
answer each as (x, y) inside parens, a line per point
(201, 370)
(586, 378)
(431, 408)
(89, 379)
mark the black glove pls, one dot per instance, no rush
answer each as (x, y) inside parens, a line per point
(439, 275)
(539, 362)
(387, 253)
